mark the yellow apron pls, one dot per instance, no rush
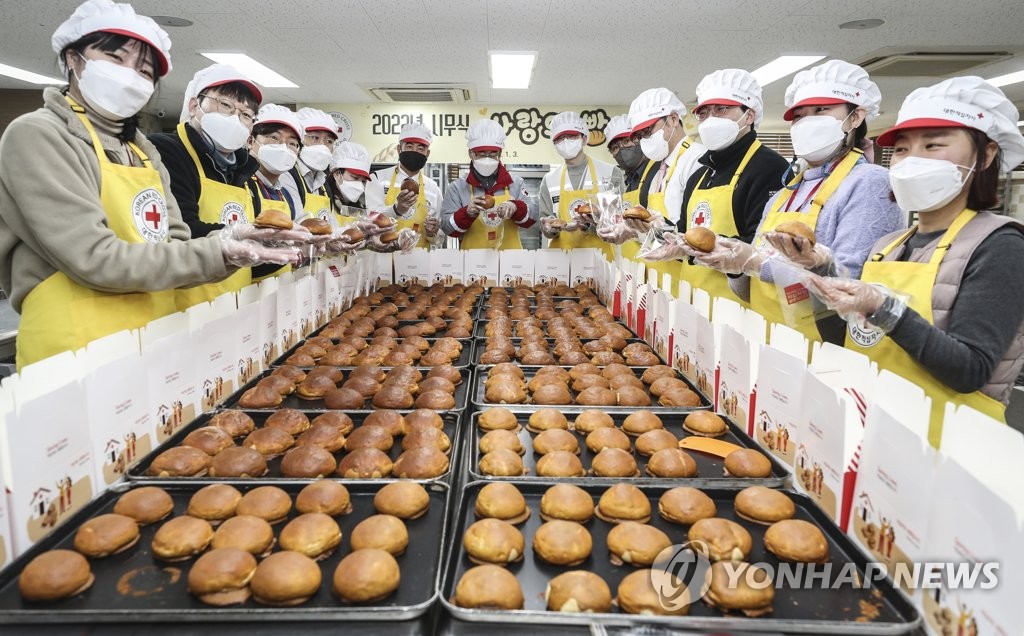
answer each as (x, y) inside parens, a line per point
(270, 204)
(712, 208)
(318, 204)
(917, 281)
(484, 233)
(59, 314)
(631, 248)
(764, 297)
(417, 215)
(218, 203)
(656, 203)
(568, 201)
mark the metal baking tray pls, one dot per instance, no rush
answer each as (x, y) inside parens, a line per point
(466, 357)
(710, 468)
(138, 472)
(481, 375)
(481, 326)
(815, 611)
(517, 342)
(295, 402)
(103, 602)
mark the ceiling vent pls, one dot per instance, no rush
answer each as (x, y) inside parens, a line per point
(930, 63)
(422, 93)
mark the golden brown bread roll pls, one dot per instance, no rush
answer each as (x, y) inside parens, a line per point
(798, 229)
(700, 238)
(273, 218)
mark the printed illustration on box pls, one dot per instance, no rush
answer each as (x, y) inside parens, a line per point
(121, 454)
(876, 531)
(171, 417)
(729, 403)
(812, 478)
(51, 504)
(946, 614)
(246, 370)
(775, 437)
(214, 392)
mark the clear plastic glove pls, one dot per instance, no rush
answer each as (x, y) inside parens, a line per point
(431, 226)
(249, 232)
(475, 206)
(405, 201)
(551, 226)
(407, 239)
(616, 234)
(730, 256)
(799, 250)
(867, 305)
(643, 227)
(668, 246)
(247, 253)
(374, 224)
(505, 210)
(340, 243)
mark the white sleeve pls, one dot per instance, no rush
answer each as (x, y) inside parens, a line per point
(676, 188)
(375, 195)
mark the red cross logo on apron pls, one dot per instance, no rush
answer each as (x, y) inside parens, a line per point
(234, 217)
(699, 219)
(152, 215)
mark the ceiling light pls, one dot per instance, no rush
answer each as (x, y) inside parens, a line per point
(28, 76)
(860, 25)
(783, 66)
(511, 69)
(262, 75)
(1009, 78)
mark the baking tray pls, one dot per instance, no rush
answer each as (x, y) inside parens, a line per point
(452, 426)
(103, 603)
(466, 357)
(294, 402)
(795, 611)
(477, 398)
(517, 342)
(710, 468)
(481, 326)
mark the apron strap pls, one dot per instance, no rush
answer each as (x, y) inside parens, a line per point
(97, 147)
(944, 244)
(743, 164)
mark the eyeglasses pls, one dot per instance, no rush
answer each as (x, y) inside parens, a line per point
(644, 133)
(278, 138)
(319, 138)
(487, 154)
(619, 144)
(717, 110)
(229, 108)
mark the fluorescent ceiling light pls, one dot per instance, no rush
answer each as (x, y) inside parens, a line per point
(511, 69)
(783, 66)
(262, 75)
(1009, 78)
(28, 76)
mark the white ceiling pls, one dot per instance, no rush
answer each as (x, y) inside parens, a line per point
(591, 51)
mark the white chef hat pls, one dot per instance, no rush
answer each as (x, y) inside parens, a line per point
(416, 132)
(617, 128)
(316, 119)
(834, 82)
(351, 157)
(104, 15)
(274, 114)
(963, 102)
(485, 134)
(731, 87)
(651, 105)
(567, 122)
(216, 75)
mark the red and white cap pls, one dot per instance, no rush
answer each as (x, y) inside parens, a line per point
(213, 76)
(963, 102)
(416, 132)
(485, 134)
(274, 114)
(566, 123)
(834, 82)
(351, 157)
(316, 119)
(118, 18)
(731, 87)
(651, 105)
(617, 128)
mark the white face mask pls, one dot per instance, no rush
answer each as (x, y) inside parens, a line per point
(227, 132)
(569, 147)
(351, 190)
(485, 167)
(817, 137)
(317, 157)
(655, 147)
(922, 185)
(718, 132)
(276, 158)
(116, 92)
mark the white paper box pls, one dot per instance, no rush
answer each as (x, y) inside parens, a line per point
(702, 302)
(320, 306)
(987, 448)
(684, 291)
(39, 378)
(482, 267)
(618, 293)
(684, 341)
(447, 266)
(630, 282)
(171, 373)
(663, 334)
(735, 382)
(583, 265)
(215, 350)
(287, 314)
(642, 303)
(107, 349)
(789, 340)
(51, 465)
(248, 343)
(412, 268)
(906, 401)
(333, 287)
(120, 422)
(304, 304)
(780, 380)
(7, 553)
(268, 328)
(552, 266)
(516, 267)
(706, 364)
(384, 268)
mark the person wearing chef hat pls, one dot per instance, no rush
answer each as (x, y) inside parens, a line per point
(841, 196)
(92, 243)
(209, 164)
(465, 213)
(419, 210)
(566, 188)
(306, 182)
(350, 171)
(932, 302)
(737, 174)
(637, 175)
